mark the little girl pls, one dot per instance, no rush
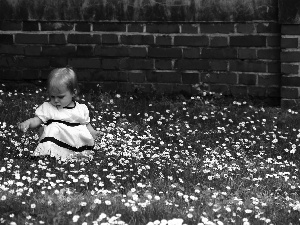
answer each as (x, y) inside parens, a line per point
(67, 133)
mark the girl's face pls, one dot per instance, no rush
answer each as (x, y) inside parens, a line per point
(61, 97)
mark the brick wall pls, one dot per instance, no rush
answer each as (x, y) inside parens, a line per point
(233, 58)
(290, 62)
(258, 56)
(289, 15)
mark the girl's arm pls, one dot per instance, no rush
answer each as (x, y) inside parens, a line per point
(30, 123)
(93, 132)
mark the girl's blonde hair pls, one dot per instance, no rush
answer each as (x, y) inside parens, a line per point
(63, 77)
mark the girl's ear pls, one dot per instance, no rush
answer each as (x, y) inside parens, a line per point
(75, 92)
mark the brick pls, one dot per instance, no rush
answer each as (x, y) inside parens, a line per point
(164, 52)
(256, 91)
(87, 75)
(190, 78)
(125, 87)
(290, 80)
(268, 80)
(248, 41)
(83, 27)
(31, 74)
(289, 43)
(291, 56)
(268, 28)
(268, 54)
(163, 88)
(33, 50)
(246, 53)
(111, 51)
(247, 66)
(247, 79)
(273, 67)
(137, 52)
(137, 39)
(31, 26)
(218, 42)
(222, 28)
(191, 53)
(84, 39)
(189, 28)
(272, 102)
(135, 28)
(45, 73)
(6, 39)
(31, 38)
(110, 39)
(143, 88)
(110, 64)
(114, 76)
(136, 77)
(191, 40)
(9, 61)
(273, 41)
(192, 64)
(290, 29)
(34, 62)
(57, 26)
(219, 65)
(290, 103)
(137, 64)
(11, 49)
(185, 89)
(163, 40)
(290, 92)
(273, 92)
(57, 39)
(289, 68)
(245, 28)
(11, 75)
(58, 62)
(162, 28)
(220, 88)
(109, 86)
(163, 64)
(93, 63)
(238, 90)
(219, 53)
(85, 50)
(10, 25)
(222, 77)
(109, 27)
(101, 75)
(58, 50)
(164, 77)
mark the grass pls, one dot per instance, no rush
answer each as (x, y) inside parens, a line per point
(162, 160)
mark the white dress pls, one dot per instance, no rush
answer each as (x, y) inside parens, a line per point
(65, 132)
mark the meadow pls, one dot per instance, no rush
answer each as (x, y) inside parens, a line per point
(175, 160)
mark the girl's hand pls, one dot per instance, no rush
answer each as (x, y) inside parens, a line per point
(23, 126)
(98, 134)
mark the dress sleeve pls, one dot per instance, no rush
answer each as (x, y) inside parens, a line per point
(86, 114)
(43, 112)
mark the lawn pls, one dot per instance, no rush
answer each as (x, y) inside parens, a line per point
(162, 160)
